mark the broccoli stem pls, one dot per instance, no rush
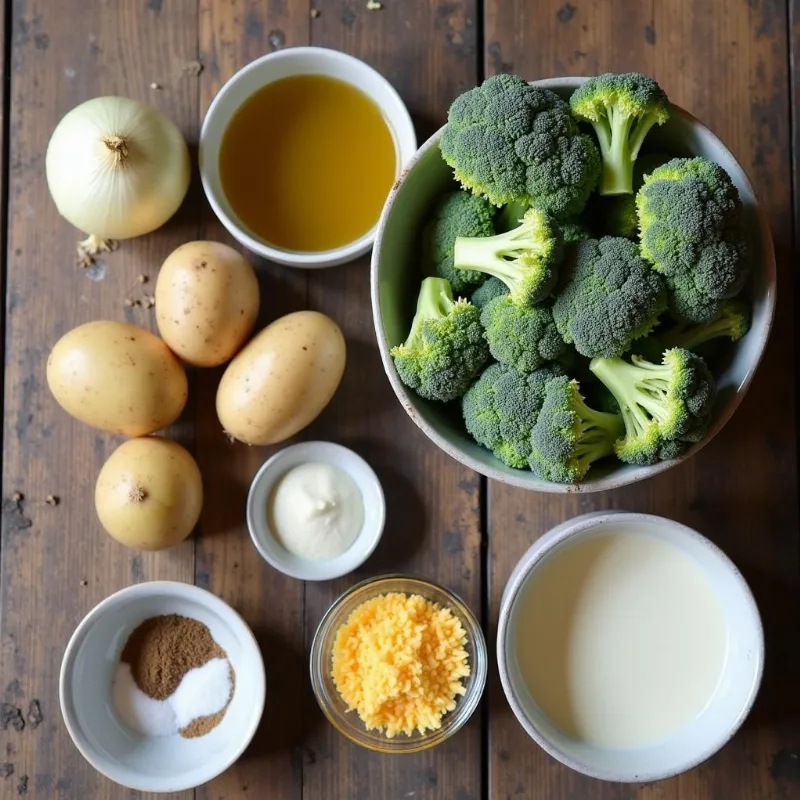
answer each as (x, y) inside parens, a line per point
(690, 336)
(621, 378)
(497, 255)
(435, 301)
(598, 432)
(618, 160)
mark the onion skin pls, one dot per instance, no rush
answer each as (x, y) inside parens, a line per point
(117, 168)
(149, 494)
(117, 377)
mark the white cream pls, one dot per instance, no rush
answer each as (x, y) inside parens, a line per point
(316, 511)
(620, 639)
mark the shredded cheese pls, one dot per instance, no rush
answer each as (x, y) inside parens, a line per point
(399, 662)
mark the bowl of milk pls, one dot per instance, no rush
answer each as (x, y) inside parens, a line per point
(629, 646)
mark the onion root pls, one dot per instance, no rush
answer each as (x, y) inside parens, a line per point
(89, 247)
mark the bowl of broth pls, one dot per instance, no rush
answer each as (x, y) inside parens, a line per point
(629, 646)
(298, 153)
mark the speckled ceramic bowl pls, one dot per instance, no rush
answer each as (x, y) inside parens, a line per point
(395, 281)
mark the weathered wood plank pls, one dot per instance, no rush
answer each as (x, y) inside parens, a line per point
(232, 34)
(61, 55)
(727, 64)
(428, 51)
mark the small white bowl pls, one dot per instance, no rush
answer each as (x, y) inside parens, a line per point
(258, 519)
(156, 764)
(273, 67)
(698, 739)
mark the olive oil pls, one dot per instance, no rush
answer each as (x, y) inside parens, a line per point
(306, 163)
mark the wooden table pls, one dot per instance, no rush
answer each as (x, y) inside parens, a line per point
(728, 63)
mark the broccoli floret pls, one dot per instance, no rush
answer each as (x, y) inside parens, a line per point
(664, 406)
(607, 298)
(690, 221)
(525, 258)
(568, 436)
(618, 212)
(510, 141)
(525, 337)
(622, 109)
(501, 407)
(573, 231)
(487, 291)
(445, 349)
(733, 323)
(457, 214)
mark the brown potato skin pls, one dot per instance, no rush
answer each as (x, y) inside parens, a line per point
(283, 378)
(207, 301)
(171, 488)
(117, 377)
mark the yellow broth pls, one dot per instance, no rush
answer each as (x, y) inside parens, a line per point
(306, 163)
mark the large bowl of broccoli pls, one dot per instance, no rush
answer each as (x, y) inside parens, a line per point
(572, 283)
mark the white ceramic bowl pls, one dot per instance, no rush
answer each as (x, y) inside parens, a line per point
(273, 67)
(725, 712)
(163, 764)
(395, 284)
(258, 519)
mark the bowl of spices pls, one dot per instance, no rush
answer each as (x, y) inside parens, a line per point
(398, 664)
(316, 511)
(290, 125)
(629, 646)
(162, 687)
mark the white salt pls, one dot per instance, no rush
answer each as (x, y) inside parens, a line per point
(138, 710)
(202, 691)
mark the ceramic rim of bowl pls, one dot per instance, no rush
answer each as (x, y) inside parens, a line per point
(259, 527)
(394, 112)
(204, 598)
(526, 480)
(573, 529)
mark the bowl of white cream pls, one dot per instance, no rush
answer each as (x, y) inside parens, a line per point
(316, 511)
(629, 646)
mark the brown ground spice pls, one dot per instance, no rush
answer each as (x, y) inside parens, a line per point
(162, 650)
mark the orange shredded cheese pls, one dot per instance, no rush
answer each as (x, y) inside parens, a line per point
(399, 661)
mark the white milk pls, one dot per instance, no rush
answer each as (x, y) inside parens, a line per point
(620, 639)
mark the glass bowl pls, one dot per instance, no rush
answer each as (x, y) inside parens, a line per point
(349, 723)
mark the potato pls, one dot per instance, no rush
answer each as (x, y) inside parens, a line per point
(206, 302)
(149, 494)
(117, 377)
(282, 379)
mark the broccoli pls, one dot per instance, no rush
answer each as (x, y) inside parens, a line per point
(500, 409)
(573, 231)
(457, 214)
(445, 349)
(618, 212)
(608, 297)
(664, 406)
(690, 221)
(524, 258)
(487, 291)
(568, 436)
(510, 141)
(510, 216)
(733, 324)
(622, 109)
(525, 337)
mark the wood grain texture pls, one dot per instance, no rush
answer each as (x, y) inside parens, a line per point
(233, 33)
(727, 64)
(433, 514)
(61, 55)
